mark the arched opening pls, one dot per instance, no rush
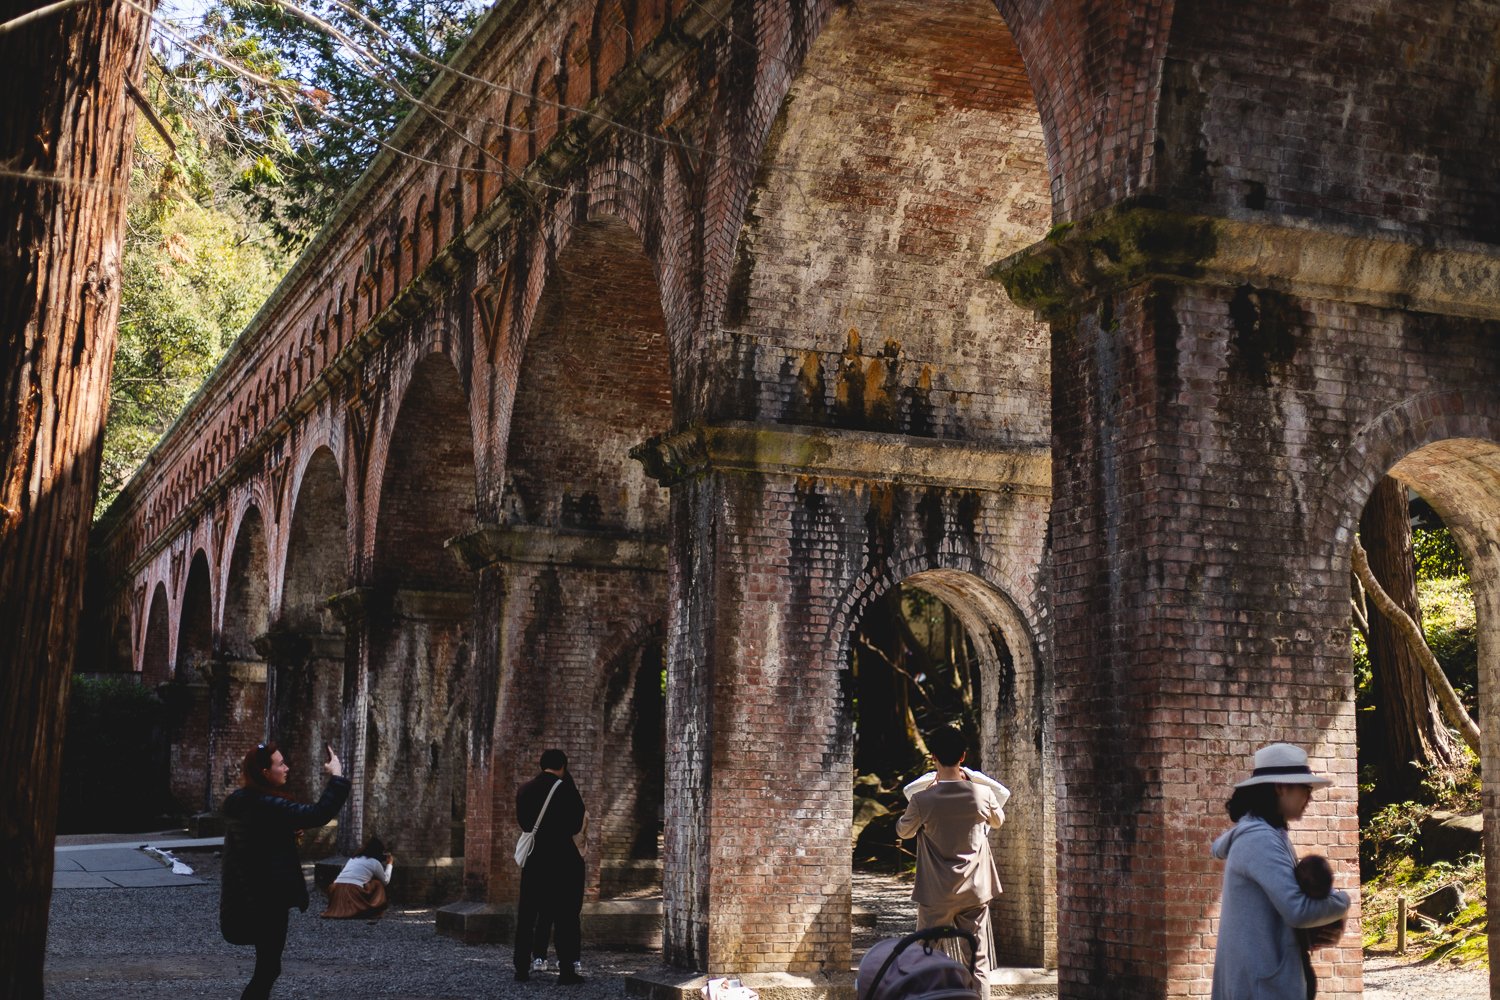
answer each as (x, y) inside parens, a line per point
(420, 642)
(195, 634)
(247, 596)
(305, 650)
(237, 690)
(156, 649)
(121, 654)
(188, 695)
(943, 648)
(583, 569)
(1430, 531)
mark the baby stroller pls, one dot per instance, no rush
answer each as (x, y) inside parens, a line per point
(894, 970)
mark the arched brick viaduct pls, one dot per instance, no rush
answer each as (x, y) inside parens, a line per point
(765, 247)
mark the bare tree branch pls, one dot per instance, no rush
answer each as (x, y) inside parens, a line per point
(1453, 708)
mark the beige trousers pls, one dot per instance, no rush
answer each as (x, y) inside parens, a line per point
(975, 920)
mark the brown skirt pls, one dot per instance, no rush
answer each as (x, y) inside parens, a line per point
(347, 902)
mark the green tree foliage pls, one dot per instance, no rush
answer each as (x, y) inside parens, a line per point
(113, 719)
(196, 267)
(344, 78)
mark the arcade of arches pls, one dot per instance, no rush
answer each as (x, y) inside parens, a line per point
(601, 425)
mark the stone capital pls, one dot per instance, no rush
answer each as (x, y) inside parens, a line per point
(835, 453)
(1136, 241)
(235, 671)
(352, 606)
(282, 647)
(491, 544)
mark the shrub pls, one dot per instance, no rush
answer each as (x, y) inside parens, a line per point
(114, 761)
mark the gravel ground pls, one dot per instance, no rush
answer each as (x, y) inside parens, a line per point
(146, 944)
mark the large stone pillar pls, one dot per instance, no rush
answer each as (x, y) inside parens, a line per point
(304, 703)
(236, 721)
(1218, 393)
(407, 659)
(780, 536)
(576, 618)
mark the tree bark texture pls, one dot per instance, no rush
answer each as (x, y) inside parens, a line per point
(1406, 708)
(66, 133)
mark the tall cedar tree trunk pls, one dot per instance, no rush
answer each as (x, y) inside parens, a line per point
(1407, 714)
(66, 121)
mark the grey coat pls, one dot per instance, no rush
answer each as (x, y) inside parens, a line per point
(1258, 957)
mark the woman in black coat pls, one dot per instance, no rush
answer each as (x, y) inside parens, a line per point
(262, 874)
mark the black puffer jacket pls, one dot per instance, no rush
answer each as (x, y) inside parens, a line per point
(261, 870)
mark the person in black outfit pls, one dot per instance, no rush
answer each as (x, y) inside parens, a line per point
(262, 874)
(552, 880)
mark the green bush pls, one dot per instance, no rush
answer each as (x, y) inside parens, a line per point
(114, 766)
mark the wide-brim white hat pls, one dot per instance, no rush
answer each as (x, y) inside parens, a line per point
(1283, 764)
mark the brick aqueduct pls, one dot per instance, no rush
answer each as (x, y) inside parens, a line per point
(697, 325)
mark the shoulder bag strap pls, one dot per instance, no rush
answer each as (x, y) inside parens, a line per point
(547, 802)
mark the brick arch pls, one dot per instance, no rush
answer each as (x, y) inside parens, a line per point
(628, 796)
(430, 393)
(862, 263)
(594, 381)
(156, 639)
(418, 645)
(317, 560)
(246, 589)
(1015, 719)
(1408, 441)
(195, 638)
(541, 109)
(121, 650)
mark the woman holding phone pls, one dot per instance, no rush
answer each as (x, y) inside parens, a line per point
(262, 874)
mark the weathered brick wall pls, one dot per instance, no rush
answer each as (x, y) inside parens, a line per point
(1204, 508)
(906, 158)
(570, 638)
(414, 740)
(759, 662)
(1359, 114)
(594, 382)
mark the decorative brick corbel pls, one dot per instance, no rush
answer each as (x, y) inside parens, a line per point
(673, 458)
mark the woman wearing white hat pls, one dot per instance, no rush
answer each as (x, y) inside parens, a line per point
(1258, 955)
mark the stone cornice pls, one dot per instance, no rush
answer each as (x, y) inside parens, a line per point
(490, 544)
(833, 453)
(1136, 242)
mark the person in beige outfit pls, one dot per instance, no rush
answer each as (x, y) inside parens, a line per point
(951, 820)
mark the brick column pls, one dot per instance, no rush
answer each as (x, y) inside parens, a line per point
(304, 699)
(236, 722)
(1217, 392)
(780, 536)
(407, 658)
(574, 612)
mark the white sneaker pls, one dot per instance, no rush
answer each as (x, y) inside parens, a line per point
(577, 968)
(537, 965)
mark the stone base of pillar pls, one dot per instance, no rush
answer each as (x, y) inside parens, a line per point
(206, 824)
(613, 924)
(675, 984)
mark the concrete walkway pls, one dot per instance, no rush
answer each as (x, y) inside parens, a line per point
(121, 861)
